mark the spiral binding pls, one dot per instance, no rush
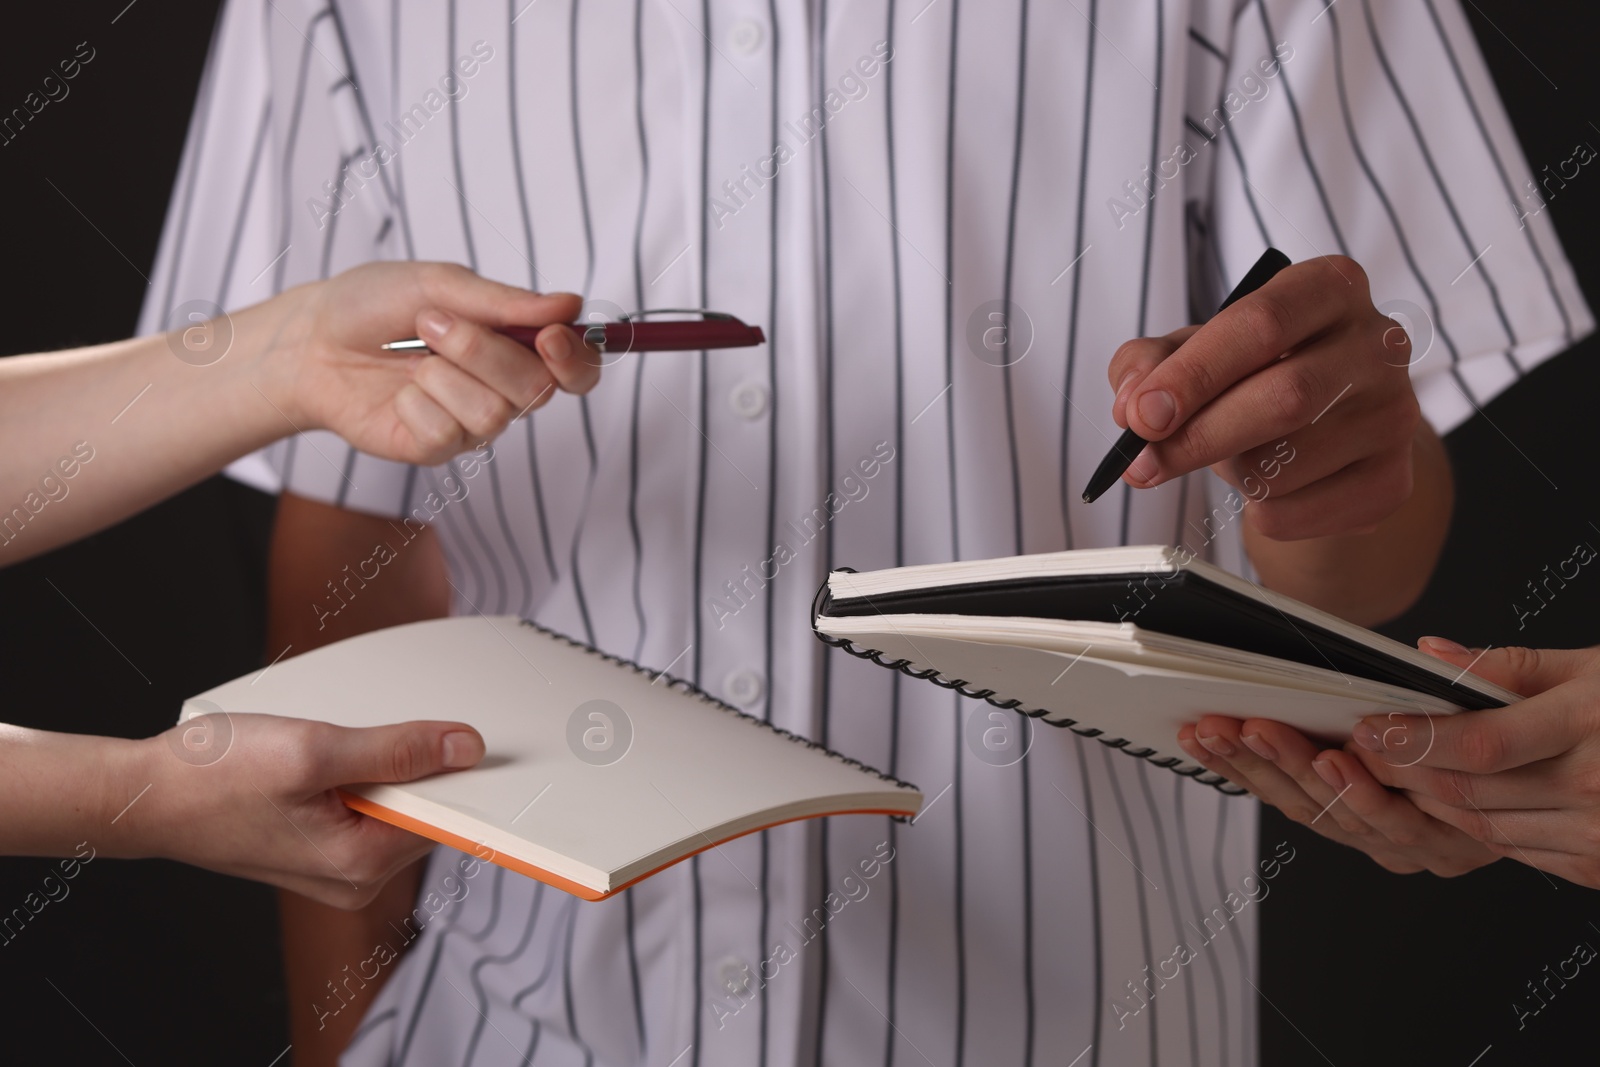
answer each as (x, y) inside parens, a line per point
(684, 686)
(819, 604)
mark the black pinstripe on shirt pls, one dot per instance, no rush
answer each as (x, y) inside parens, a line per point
(900, 436)
(1388, 205)
(1439, 183)
(1500, 167)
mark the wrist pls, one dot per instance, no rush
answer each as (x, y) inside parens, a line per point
(126, 823)
(271, 341)
(233, 377)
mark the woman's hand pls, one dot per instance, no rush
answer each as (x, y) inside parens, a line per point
(246, 795)
(1525, 779)
(1333, 793)
(123, 425)
(253, 796)
(323, 366)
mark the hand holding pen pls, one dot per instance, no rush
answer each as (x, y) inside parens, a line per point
(198, 396)
(1300, 387)
(424, 406)
(1128, 446)
(486, 353)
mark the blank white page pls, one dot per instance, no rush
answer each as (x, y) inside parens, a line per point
(696, 772)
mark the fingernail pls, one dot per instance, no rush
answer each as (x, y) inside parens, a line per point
(1217, 745)
(1367, 737)
(461, 749)
(1157, 408)
(1126, 379)
(1258, 744)
(560, 345)
(1144, 468)
(1444, 646)
(1328, 772)
(436, 323)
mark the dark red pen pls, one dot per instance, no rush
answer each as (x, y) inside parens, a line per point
(714, 329)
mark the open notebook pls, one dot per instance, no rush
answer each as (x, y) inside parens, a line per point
(1128, 644)
(587, 804)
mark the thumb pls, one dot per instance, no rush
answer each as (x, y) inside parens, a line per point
(1526, 671)
(402, 752)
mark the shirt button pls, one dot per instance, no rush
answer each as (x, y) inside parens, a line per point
(734, 977)
(743, 687)
(745, 36)
(748, 400)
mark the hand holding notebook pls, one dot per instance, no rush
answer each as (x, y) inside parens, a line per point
(598, 772)
(1331, 790)
(1130, 644)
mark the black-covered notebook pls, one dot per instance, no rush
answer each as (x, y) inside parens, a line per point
(1127, 644)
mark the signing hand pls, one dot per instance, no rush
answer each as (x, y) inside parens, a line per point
(1524, 780)
(325, 369)
(1331, 792)
(1306, 360)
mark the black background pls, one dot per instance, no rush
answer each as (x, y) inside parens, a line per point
(155, 963)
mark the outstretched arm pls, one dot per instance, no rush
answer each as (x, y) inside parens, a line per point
(118, 427)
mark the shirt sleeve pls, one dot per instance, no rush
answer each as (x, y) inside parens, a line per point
(1373, 130)
(277, 118)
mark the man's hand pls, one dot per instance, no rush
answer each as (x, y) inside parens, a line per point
(1305, 359)
(1332, 793)
(323, 367)
(253, 796)
(1524, 780)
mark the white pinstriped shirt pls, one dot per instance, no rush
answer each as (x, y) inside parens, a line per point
(872, 182)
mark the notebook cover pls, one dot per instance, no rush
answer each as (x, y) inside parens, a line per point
(1185, 605)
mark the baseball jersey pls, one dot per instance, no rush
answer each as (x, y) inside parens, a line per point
(946, 215)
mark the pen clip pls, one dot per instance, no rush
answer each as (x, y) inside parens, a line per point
(709, 329)
(721, 316)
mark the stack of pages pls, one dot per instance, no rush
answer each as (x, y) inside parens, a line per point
(1129, 644)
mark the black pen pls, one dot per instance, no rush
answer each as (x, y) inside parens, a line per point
(1130, 444)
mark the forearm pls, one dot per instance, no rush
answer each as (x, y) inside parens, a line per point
(58, 790)
(93, 435)
(89, 437)
(1371, 577)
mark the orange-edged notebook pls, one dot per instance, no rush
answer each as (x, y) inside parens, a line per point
(599, 772)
